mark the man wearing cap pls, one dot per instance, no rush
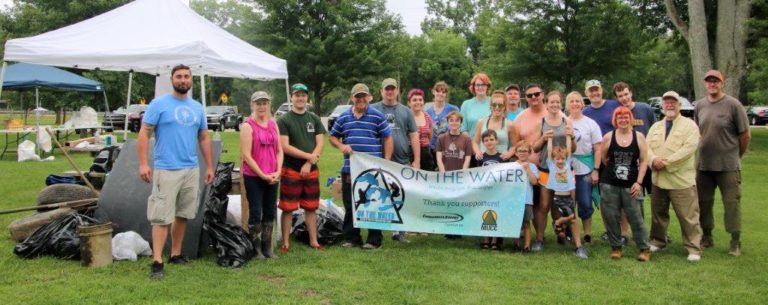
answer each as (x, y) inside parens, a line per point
(365, 130)
(599, 110)
(404, 131)
(301, 136)
(513, 102)
(179, 125)
(725, 137)
(672, 145)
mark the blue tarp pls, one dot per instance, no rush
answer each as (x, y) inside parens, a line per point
(23, 75)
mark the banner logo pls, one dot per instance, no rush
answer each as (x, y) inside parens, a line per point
(378, 196)
(489, 221)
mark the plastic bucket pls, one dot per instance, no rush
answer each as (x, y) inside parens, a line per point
(95, 245)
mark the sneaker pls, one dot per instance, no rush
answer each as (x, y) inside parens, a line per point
(178, 260)
(156, 271)
(616, 253)
(369, 246)
(537, 246)
(581, 252)
(735, 248)
(349, 244)
(604, 237)
(694, 257)
(401, 238)
(645, 255)
(587, 239)
(655, 249)
(707, 242)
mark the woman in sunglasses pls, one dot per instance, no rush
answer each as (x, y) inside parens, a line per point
(497, 121)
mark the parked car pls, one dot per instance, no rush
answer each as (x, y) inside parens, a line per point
(223, 117)
(758, 115)
(686, 108)
(335, 115)
(284, 108)
(116, 119)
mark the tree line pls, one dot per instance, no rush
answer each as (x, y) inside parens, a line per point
(655, 45)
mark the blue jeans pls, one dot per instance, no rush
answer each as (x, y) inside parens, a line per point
(262, 200)
(612, 200)
(584, 196)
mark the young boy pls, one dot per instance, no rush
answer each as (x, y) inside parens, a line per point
(490, 157)
(562, 182)
(522, 151)
(453, 149)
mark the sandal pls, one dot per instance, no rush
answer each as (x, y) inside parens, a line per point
(485, 246)
(320, 248)
(495, 246)
(284, 249)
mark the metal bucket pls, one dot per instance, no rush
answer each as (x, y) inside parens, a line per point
(95, 245)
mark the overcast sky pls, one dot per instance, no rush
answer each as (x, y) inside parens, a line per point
(412, 12)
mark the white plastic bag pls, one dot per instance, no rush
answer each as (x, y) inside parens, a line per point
(234, 210)
(44, 140)
(129, 245)
(26, 151)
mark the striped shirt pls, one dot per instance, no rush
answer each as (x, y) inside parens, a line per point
(363, 135)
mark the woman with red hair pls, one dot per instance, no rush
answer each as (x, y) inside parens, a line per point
(624, 155)
(424, 125)
(477, 107)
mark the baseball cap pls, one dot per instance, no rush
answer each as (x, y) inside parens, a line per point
(512, 86)
(671, 94)
(299, 87)
(593, 83)
(714, 73)
(260, 95)
(360, 88)
(388, 82)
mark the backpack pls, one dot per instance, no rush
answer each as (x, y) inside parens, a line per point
(105, 159)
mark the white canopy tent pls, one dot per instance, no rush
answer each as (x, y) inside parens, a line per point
(149, 36)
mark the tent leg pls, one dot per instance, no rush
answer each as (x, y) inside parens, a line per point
(287, 91)
(202, 90)
(127, 104)
(2, 78)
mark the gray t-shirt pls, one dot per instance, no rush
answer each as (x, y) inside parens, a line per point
(720, 123)
(402, 123)
(644, 117)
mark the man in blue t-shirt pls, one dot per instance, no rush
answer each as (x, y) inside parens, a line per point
(643, 113)
(179, 126)
(599, 110)
(365, 130)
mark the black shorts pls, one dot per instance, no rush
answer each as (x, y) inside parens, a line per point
(564, 205)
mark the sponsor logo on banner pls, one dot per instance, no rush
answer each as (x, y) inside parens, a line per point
(489, 220)
(442, 217)
(379, 196)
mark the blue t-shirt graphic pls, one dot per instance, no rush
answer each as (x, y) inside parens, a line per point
(177, 123)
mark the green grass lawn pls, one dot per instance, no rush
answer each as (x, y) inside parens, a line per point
(430, 270)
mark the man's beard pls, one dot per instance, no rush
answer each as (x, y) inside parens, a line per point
(181, 89)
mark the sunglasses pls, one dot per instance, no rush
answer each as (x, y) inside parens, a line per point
(497, 105)
(532, 95)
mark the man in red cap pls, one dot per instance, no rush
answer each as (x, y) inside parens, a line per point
(725, 136)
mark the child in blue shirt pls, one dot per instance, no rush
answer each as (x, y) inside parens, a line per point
(490, 157)
(523, 150)
(562, 182)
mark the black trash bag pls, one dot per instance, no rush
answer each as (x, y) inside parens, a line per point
(58, 238)
(330, 226)
(222, 180)
(233, 245)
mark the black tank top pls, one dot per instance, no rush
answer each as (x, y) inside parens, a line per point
(622, 168)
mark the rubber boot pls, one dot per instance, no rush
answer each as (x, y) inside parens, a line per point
(255, 231)
(266, 240)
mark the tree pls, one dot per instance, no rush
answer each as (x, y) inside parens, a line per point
(329, 43)
(757, 78)
(562, 43)
(725, 49)
(463, 17)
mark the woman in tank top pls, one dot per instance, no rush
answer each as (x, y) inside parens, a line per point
(497, 121)
(553, 127)
(624, 154)
(262, 157)
(424, 127)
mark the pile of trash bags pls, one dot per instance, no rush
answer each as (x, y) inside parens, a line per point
(58, 238)
(330, 224)
(232, 244)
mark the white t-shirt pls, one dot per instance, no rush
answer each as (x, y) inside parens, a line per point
(587, 134)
